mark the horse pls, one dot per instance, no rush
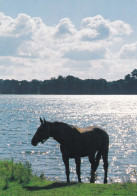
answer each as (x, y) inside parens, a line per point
(76, 142)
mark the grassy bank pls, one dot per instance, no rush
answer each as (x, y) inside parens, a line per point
(17, 179)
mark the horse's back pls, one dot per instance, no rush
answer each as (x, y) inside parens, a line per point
(83, 141)
(85, 129)
(91, 129)
(93, 134)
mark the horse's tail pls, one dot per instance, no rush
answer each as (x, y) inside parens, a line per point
(98, 156)
(102, 150)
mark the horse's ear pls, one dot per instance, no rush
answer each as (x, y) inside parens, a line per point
(44, 120)
(41, 120)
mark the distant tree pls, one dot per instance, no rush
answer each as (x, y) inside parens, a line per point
(134, 73)
(128, 77)
(1, 86)
(71, 85)
(34, 87)
(131, 83)
(10, 87)
(44, 87)
(24, 87)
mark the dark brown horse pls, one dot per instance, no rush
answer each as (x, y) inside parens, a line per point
(75, 143)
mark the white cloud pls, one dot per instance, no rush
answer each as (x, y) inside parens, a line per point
(97, 25)
(88, 34)
(86, 54)
(6, 25)
(20, 26)
(98, 28)
(64, 28)
(119, 27)
(129, 51)
(78, 66)
(32, 49)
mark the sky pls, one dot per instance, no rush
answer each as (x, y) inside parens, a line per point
(41, 39)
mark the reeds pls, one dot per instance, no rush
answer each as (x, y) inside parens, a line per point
(12, 171)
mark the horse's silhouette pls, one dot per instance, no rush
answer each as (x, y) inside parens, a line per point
(75, 143)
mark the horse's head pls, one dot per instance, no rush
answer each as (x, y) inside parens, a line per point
(42, 133)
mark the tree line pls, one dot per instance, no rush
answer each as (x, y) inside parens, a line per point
(71, 85)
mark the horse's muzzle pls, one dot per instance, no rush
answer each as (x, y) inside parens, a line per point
(33, 143)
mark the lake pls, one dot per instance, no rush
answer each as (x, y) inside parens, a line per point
(19, 119)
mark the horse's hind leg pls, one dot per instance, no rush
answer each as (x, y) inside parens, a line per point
(78, 163)
(105, 160)
(93, 167)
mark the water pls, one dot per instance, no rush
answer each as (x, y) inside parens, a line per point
(19, 119)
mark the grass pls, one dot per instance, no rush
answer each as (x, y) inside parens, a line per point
(17, 179)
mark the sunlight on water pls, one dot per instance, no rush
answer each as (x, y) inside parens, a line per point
(19, 119)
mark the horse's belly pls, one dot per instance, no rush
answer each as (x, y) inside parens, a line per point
(79, 149)
(79, 153)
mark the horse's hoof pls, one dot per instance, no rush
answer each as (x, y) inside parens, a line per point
(105, 181)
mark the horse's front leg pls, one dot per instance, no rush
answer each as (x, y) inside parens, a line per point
(66, 162)
(78, 164)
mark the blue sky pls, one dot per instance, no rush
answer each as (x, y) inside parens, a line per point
(41, 39)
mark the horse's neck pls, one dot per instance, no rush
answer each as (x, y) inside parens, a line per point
(58, 133)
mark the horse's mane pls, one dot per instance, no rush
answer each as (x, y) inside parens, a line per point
(67, 127)
(74, 128)
(57, 123)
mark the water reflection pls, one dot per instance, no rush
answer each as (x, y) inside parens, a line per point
(19, 118)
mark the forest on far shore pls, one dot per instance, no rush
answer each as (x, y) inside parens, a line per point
(71, 85)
